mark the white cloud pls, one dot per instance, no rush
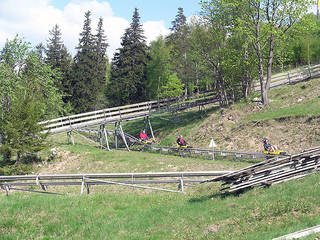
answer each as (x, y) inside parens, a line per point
(153, 29)
(33, 20)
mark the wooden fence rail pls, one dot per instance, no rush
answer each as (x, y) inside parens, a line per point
(123, 113)
(141, 110)
(8, 183)
(272, 171)
(292, 77)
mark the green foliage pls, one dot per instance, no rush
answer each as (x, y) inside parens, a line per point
(179, 39)
(59, 59)
(158, 68)
(28, 95)
(173, 88)
(128, 67)
(22, 131)
(102, 63)
(89, 69)
(264, 24)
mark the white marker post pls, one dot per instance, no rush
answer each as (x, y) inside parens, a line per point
(212, 145)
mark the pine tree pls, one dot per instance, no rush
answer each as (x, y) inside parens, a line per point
(101, 46)
(179, 38)
(85, 84)
(128, 70)
(59, 59)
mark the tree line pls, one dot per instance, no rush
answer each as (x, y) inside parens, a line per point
(226, 48)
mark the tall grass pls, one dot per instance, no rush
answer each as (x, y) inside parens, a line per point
(200, 214)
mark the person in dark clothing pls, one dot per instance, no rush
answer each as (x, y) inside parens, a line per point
(181, 142)
(267, 146)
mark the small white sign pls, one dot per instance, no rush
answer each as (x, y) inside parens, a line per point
(212, 143)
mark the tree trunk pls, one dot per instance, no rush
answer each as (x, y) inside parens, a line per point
(223, 93)
(264, 92)
(5, 151)
(18, 157)
(245, 76)
(269, 69)
(185, 73)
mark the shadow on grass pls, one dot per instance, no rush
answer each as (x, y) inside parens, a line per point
(219, 195)
(209, 197)
(168, 121)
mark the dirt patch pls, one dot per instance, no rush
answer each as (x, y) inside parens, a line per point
(288, 134)
(65, 161)
(213, 228)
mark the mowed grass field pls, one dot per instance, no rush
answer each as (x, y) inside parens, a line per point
(117, 212)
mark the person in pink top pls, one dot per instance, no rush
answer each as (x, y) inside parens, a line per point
(180, 141)
(143, 136)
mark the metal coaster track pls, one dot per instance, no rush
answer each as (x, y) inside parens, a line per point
(138, 180)
(210, 154)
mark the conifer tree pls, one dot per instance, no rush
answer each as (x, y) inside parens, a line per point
(128, 70)
(85, 84)
(101, 46)
(179, 38)
(59, 59)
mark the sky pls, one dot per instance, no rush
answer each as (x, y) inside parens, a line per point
(32, 19)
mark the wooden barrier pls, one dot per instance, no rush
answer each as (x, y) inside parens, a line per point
(122, 113)
(137, 180)
(292, 77)
(141, 110)
(272, 171)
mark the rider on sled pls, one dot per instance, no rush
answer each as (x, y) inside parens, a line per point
(269, 149)
(144, 137)
(182, 143)
(267, 146)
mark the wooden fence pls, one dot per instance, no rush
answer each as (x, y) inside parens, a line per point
(124, 113)
(292, 77)
(144, 109)
(138, 180)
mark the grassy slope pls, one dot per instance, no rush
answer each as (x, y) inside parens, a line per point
(258, 214)
(290, 122)
(125, 213)
(121, 213)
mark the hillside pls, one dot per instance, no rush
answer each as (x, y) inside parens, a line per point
(117, 212)
(291, 122)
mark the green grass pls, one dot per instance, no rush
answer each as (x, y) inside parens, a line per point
(85, 158)
(311, 108)
(113, 212)
(258, 214)
(169, 126)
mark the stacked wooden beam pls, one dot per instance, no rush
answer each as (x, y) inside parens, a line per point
(271, 171)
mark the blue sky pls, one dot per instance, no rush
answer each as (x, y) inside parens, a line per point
(150, 10)
(33, 19)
